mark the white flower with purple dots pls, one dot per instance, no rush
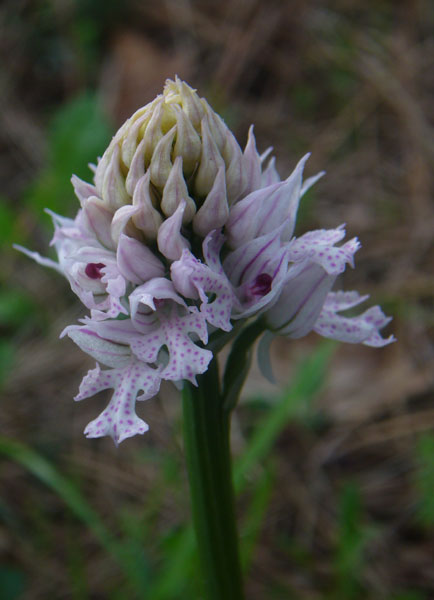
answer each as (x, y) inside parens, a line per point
(182, 235)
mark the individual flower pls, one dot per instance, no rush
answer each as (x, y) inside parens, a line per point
(181, 235)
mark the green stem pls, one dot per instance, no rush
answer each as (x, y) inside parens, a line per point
(238, 363)
(207, 453)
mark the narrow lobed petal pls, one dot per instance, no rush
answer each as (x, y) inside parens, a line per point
(185, 358)
(119, 420)
(197, 280)
(362, 329)
(318, 247)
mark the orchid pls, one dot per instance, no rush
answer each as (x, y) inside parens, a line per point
(182, 233)
(183, 243)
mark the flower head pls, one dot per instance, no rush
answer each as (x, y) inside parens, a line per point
(183, 233)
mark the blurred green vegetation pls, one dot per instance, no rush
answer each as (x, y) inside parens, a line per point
(425, 480)
(78, 133)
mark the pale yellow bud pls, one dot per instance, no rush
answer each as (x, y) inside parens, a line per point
(180, 93)
(217, 127)
(137, 168)
(187, 143)
(129, 144)
(236, 180)
(210, 162)
(161, 163)
(122, 223)
(114, 192)
(214, 212)
(147, 218)
(175, 191)
(153, 134)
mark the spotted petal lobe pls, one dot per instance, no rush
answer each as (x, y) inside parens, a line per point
(119, 419)
(318, 247)
(173, 333)
(362, 329)
(194, 279)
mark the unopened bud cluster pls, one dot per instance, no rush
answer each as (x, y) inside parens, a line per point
(174, 150)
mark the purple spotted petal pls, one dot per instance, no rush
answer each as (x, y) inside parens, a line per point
(119, 419)
(318, 247)
(110, 308)
(338, 301)
(362, 329)
(165, 322)
(173, 332)
(194, 279)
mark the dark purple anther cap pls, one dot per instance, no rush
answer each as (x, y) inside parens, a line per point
(93, 270)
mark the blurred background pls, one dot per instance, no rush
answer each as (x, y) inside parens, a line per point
(334, 466)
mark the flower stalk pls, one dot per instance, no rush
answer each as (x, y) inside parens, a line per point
(208, 458)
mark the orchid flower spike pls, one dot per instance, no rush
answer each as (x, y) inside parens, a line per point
(183, 233)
